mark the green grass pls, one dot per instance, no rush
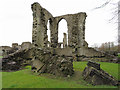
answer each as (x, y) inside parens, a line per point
(1, 56)
(119, 55)
(26, 79)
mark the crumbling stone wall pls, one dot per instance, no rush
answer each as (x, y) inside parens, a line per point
(76, 31)
(5, 50)
(26, 45)
(48, 62)
(14, 45)
(77, 46)
(16, 56)
(40, 19)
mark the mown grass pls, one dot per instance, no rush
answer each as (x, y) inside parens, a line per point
(26, 79)
(119, 55)
(1, 56)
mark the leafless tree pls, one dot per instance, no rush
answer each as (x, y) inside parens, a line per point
(116, 15)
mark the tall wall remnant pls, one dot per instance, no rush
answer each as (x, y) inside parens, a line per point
(76, 31)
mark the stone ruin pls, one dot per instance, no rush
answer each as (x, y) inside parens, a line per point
(76, 33)
(50, 56)
(96, 76)
(17, 56)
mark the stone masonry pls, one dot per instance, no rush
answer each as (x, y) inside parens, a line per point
(76, 32)
(74, 48)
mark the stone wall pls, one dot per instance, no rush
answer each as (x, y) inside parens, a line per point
(89, 52)
(76, 28)
(26, 45)
(76, 31)
(15, 57)
(4, 50)
(40, 19)
(43, 55)
(63, 51)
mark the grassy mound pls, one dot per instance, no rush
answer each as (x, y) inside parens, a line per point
(26, 79)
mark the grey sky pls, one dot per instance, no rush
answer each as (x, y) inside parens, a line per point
(16, 19)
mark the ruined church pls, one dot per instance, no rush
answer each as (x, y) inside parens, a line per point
(49, 57)
(76, 33)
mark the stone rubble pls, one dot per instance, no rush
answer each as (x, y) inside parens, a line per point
(17, 57)
(96, 76)
(45, 62)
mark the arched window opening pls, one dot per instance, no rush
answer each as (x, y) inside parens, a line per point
(61, 45)
(62, 28)
(48, 31)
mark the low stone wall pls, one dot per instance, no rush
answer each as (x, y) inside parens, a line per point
(64, 51)
(89, 52)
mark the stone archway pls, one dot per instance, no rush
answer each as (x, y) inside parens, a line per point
(48, 32)
(62, 33)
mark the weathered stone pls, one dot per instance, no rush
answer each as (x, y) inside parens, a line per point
(96, 76)
(76, 32)
(94, 64)
(17, 57)
(64, 40)
(45, 62)
(14, 45)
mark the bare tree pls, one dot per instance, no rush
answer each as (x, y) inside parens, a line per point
(103, 5)
(116, 16)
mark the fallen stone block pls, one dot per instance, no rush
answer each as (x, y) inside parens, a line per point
(96, 76)
(45, 62)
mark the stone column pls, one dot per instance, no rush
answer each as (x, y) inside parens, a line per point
(54, 34)
(38, 26)
(64, 40)
(81, 29)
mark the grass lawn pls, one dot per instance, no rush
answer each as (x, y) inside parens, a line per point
(1, 56)
(26, 79)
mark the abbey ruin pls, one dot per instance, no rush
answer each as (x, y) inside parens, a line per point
(49, 55)
(76, 33)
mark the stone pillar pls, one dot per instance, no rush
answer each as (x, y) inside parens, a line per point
(54, 34)
(78, 32)
(64, 40)
(38, 25)
(81, 29)
(81, 33)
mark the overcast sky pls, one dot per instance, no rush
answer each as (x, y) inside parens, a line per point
(16, 19)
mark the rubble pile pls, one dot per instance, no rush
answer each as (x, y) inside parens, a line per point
(46, 62)
(16, 60)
